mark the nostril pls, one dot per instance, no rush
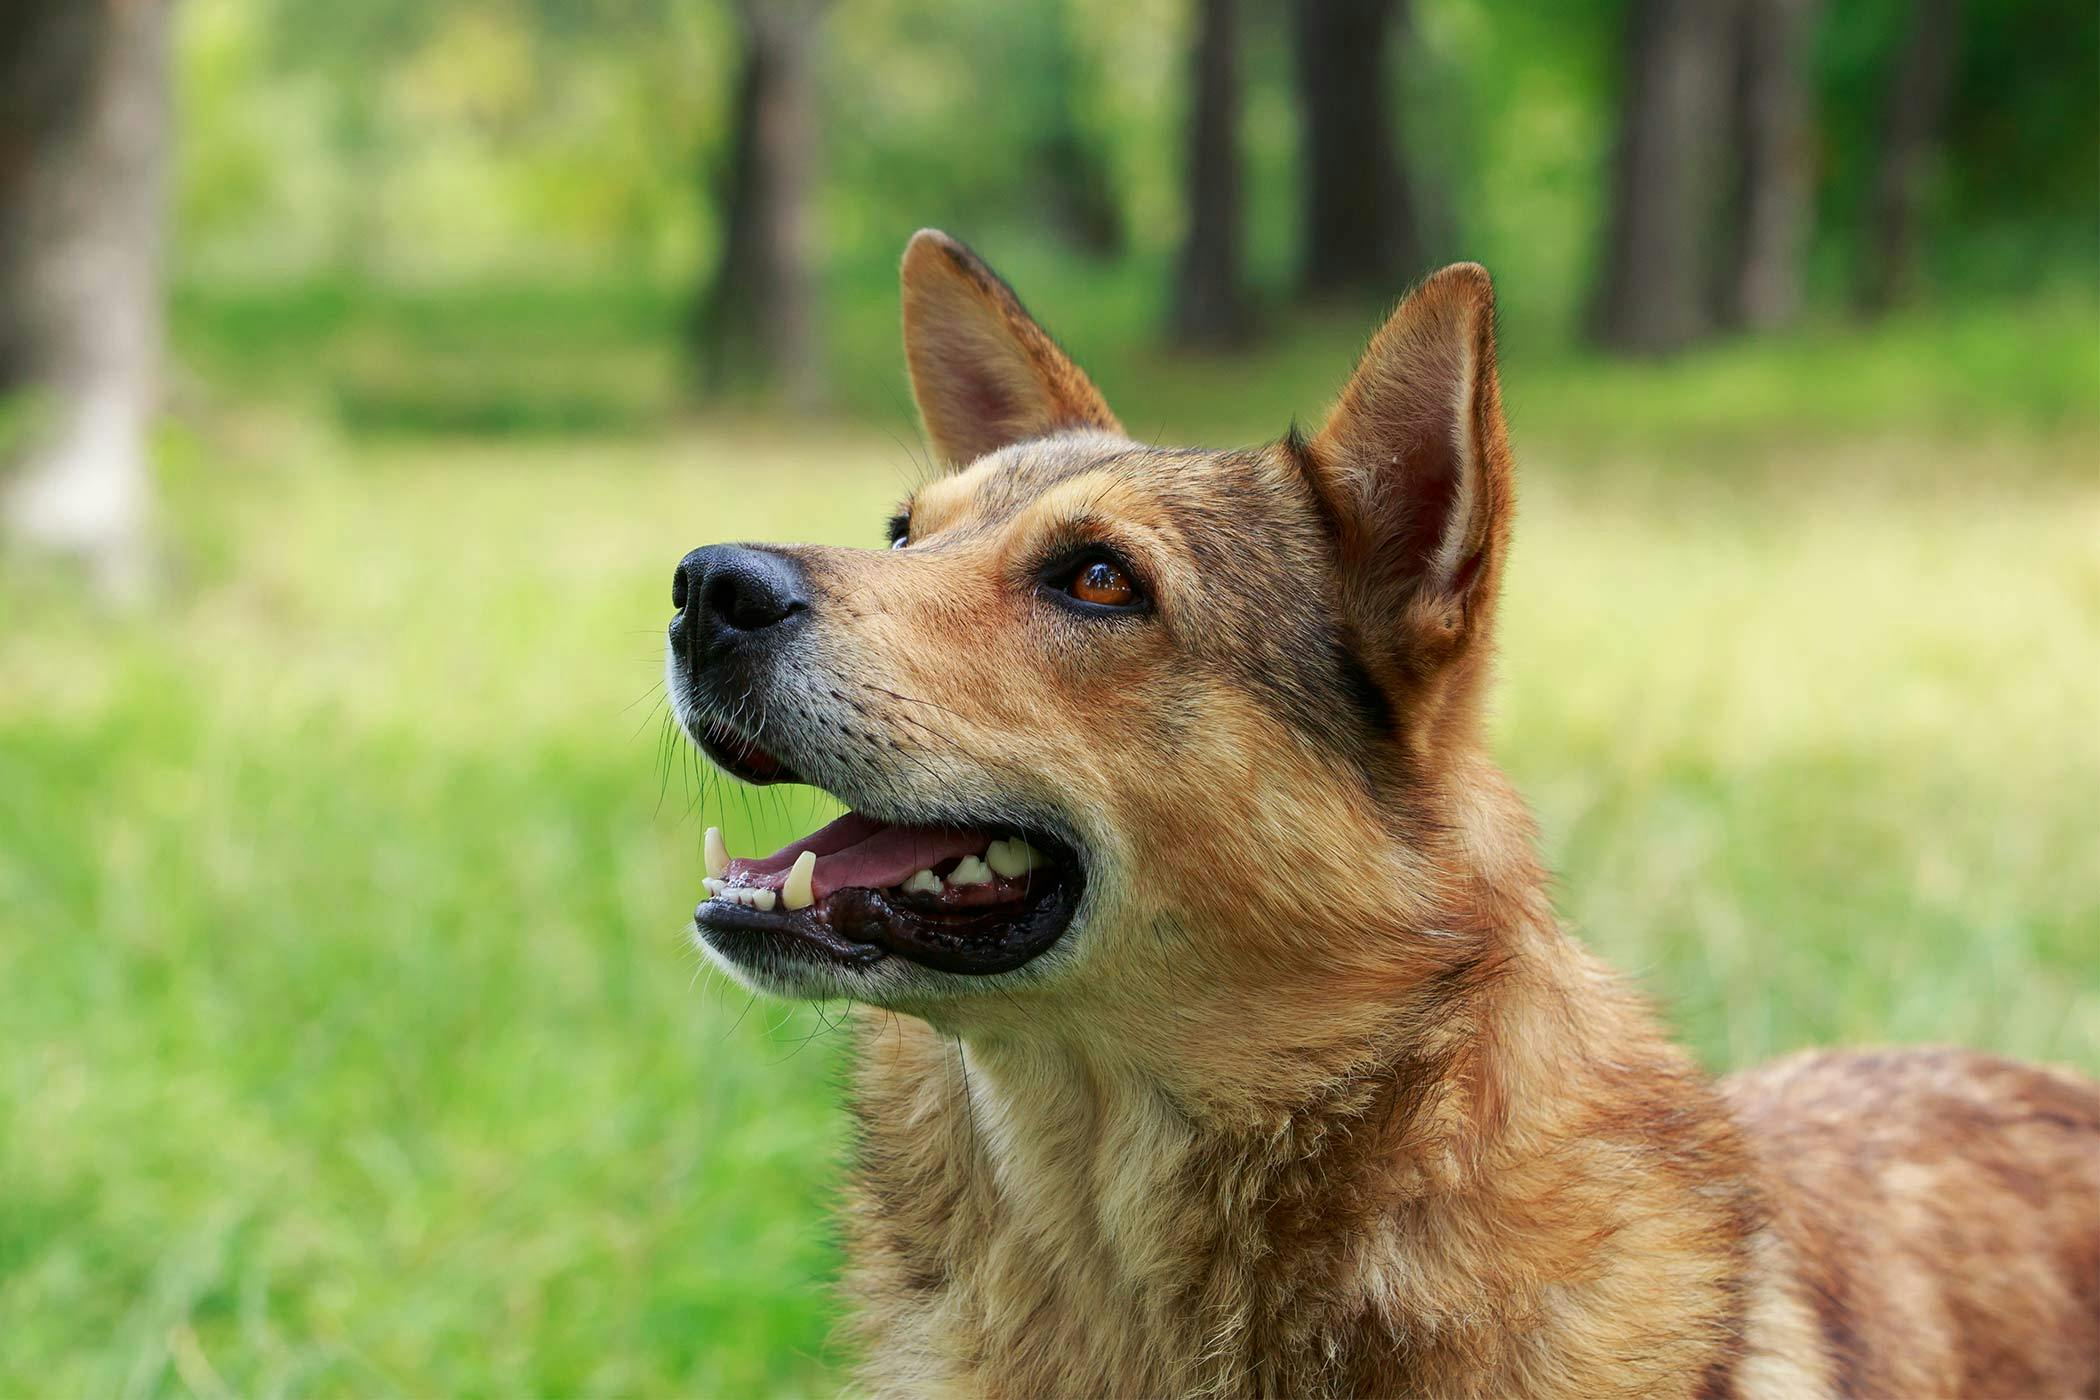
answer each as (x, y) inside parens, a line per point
(748, 605)
(723, 599)
(678, 590)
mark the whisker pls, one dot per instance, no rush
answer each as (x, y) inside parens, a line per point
(909, 699)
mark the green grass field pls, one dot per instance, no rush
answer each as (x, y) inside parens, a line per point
(354, 1044)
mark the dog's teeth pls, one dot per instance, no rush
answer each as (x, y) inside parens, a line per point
(970, 871)
(796, 894)
(717, 853)
(923, 882)
(761, 900)
(1011, 858)
(713, 886)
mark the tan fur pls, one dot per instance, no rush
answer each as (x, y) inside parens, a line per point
(1391, 1132)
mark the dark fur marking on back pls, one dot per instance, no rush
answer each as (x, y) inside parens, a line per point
(1719, 1381)
(1830, 1295)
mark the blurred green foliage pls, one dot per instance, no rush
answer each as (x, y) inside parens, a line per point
(412, 142)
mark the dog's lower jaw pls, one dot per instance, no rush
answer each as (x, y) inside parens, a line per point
(1030, 1219)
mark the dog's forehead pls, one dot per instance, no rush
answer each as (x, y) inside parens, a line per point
(1193, 488)
(1252, 566)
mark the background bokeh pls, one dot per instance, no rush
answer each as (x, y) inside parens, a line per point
(354, 1043)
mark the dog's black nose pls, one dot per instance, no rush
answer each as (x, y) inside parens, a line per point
(727, 592)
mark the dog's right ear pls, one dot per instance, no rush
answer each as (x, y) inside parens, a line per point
(984, 373)
(1415, 466)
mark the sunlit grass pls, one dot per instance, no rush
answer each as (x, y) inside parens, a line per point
(353, 1042)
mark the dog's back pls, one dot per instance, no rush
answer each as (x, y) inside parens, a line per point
(1942, 1211)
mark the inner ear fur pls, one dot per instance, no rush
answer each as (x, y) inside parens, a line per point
(985, 374)
(1414, 459)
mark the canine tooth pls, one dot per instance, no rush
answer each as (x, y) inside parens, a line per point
(713, 886)
(1011, 858)
(923, 882)
(717, 853)
(762, 901)
(970, 871)
(796, 893)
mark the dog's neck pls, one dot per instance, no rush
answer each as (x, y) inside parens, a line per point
(1029, 1204)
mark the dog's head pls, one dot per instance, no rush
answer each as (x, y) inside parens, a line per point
(1172, 730)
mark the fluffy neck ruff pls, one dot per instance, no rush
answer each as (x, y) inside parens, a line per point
(1528, 1193)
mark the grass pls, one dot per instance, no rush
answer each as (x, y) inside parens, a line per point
(354, 1046)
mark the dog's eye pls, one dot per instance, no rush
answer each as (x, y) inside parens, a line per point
(1101, 582)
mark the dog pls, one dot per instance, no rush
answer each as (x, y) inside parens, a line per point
(1216, 1035)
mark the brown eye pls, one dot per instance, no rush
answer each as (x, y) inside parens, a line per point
(1099, 581)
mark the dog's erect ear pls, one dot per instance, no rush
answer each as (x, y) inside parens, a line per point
(984, 373)
(1414, 460)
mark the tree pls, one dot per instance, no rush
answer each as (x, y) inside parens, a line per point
(83, 106)
(1362, 229)
(1656, 283)
(1916, 106)
(757, 319)
(1070, 176)
(1774, 142)
(1210, 299)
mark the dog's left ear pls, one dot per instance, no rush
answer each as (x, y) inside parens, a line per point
(984, 373)
(1414, 464)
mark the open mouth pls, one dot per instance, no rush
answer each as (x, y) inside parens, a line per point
(972, 900)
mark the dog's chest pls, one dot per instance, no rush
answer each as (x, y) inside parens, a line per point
(1045, 1235)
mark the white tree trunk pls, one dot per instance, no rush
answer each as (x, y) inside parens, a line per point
(84, 114)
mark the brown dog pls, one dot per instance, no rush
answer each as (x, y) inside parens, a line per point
(1240, 1051)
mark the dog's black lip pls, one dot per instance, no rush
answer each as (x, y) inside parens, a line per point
(739, 921)
(860, 927)
(710, 741)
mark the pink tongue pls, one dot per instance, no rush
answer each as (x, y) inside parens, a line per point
(856, 852)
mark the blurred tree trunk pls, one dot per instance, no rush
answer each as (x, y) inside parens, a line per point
(83, 138)
(1210, 299)
(1917, 103)
(757, 319)
(1077, 188)
(1080, 194)
(1362, 231)
(1761, 281)
(1654, 292)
